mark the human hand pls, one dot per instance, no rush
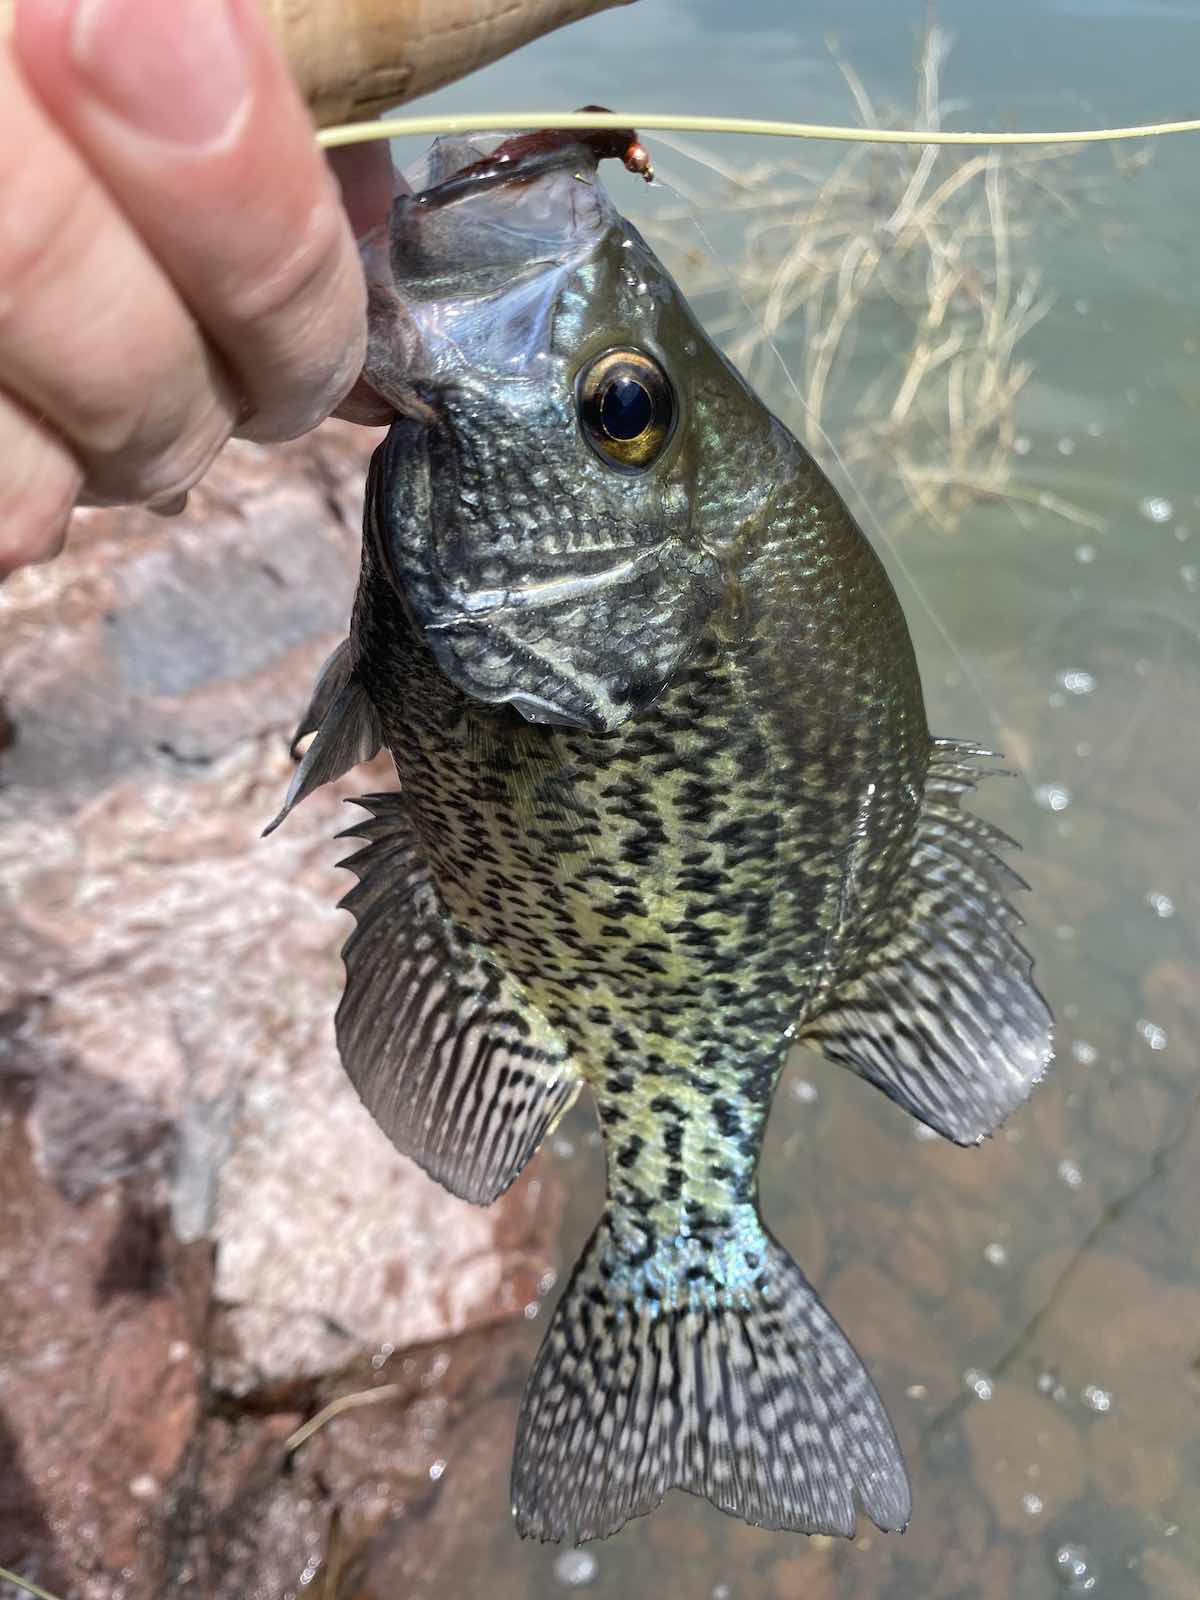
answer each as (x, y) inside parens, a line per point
(176, 262)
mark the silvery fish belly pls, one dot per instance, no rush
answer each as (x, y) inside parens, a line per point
(668, 802)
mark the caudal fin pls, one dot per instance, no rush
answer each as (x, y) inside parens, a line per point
(754, 1399)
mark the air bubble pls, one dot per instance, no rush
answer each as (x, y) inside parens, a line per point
(1157, 509)
(1161, 904)
(978, 1382)
(1073, 1569)
(996, 1255)
(1085, 554)
(804, 1091)
(1052, 796)
(1070, 1174)
(1032, 1504)
(1066, 446)
(576, 1568)
(1086, 1054)
(1077, 681)
(1154, 1036)
(1097, 1398)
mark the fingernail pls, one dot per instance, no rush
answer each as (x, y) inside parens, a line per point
(176, 72)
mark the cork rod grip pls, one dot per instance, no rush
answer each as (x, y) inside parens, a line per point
(355, 58)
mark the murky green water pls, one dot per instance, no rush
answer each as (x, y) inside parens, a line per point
(1031, 1311)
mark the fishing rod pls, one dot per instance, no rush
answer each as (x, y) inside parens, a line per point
(358, 58)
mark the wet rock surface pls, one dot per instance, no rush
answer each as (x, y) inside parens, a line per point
(204, 1235)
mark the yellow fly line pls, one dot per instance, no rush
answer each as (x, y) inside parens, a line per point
(656, 121)
(25, 1585)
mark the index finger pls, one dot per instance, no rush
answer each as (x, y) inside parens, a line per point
(189, 117)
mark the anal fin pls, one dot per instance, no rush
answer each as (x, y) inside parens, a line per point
(457, 1066)
(945, 1017)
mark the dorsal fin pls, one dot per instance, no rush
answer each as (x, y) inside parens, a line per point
(451, 1058)
(346, 725)
(945, 1018)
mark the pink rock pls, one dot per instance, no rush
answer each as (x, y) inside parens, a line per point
(170, 980)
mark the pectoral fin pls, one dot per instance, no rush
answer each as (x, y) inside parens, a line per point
(945, 1017)
(456, 1065)
(346, 725)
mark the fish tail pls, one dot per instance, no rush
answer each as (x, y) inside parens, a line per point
(653, 1375)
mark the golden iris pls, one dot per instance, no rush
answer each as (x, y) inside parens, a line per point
(626, 408)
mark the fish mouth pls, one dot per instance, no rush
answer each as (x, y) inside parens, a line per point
(521, 158)
(488, 226)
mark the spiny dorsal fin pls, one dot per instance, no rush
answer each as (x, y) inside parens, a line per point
(459, 1069)
(946, 1018)
(346, 725)
(752, 1397)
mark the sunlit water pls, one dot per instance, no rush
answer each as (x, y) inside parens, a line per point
(1031, 1311)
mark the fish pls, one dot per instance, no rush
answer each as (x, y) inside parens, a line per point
(668, 805)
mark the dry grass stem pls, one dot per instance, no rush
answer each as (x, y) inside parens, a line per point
(919, 251)
(25, 1585)
(345, 1402)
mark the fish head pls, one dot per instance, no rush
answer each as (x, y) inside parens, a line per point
(574, 459)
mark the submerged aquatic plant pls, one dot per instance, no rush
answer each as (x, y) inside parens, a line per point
(923, 249)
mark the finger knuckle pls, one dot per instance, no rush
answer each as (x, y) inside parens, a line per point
(294, 269)
(132, 357)
(37, 217)
(162, 462)
(306, 313)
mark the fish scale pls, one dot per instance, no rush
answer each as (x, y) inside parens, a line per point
(668, 802)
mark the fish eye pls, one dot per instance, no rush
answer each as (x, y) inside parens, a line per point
(626, 408)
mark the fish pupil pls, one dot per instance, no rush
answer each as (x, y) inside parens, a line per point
(626, 410)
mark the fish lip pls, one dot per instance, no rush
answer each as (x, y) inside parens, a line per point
(524, 157)
(506, 171)
(477, 233)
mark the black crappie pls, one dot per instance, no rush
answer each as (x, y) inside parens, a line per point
(668, 803)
